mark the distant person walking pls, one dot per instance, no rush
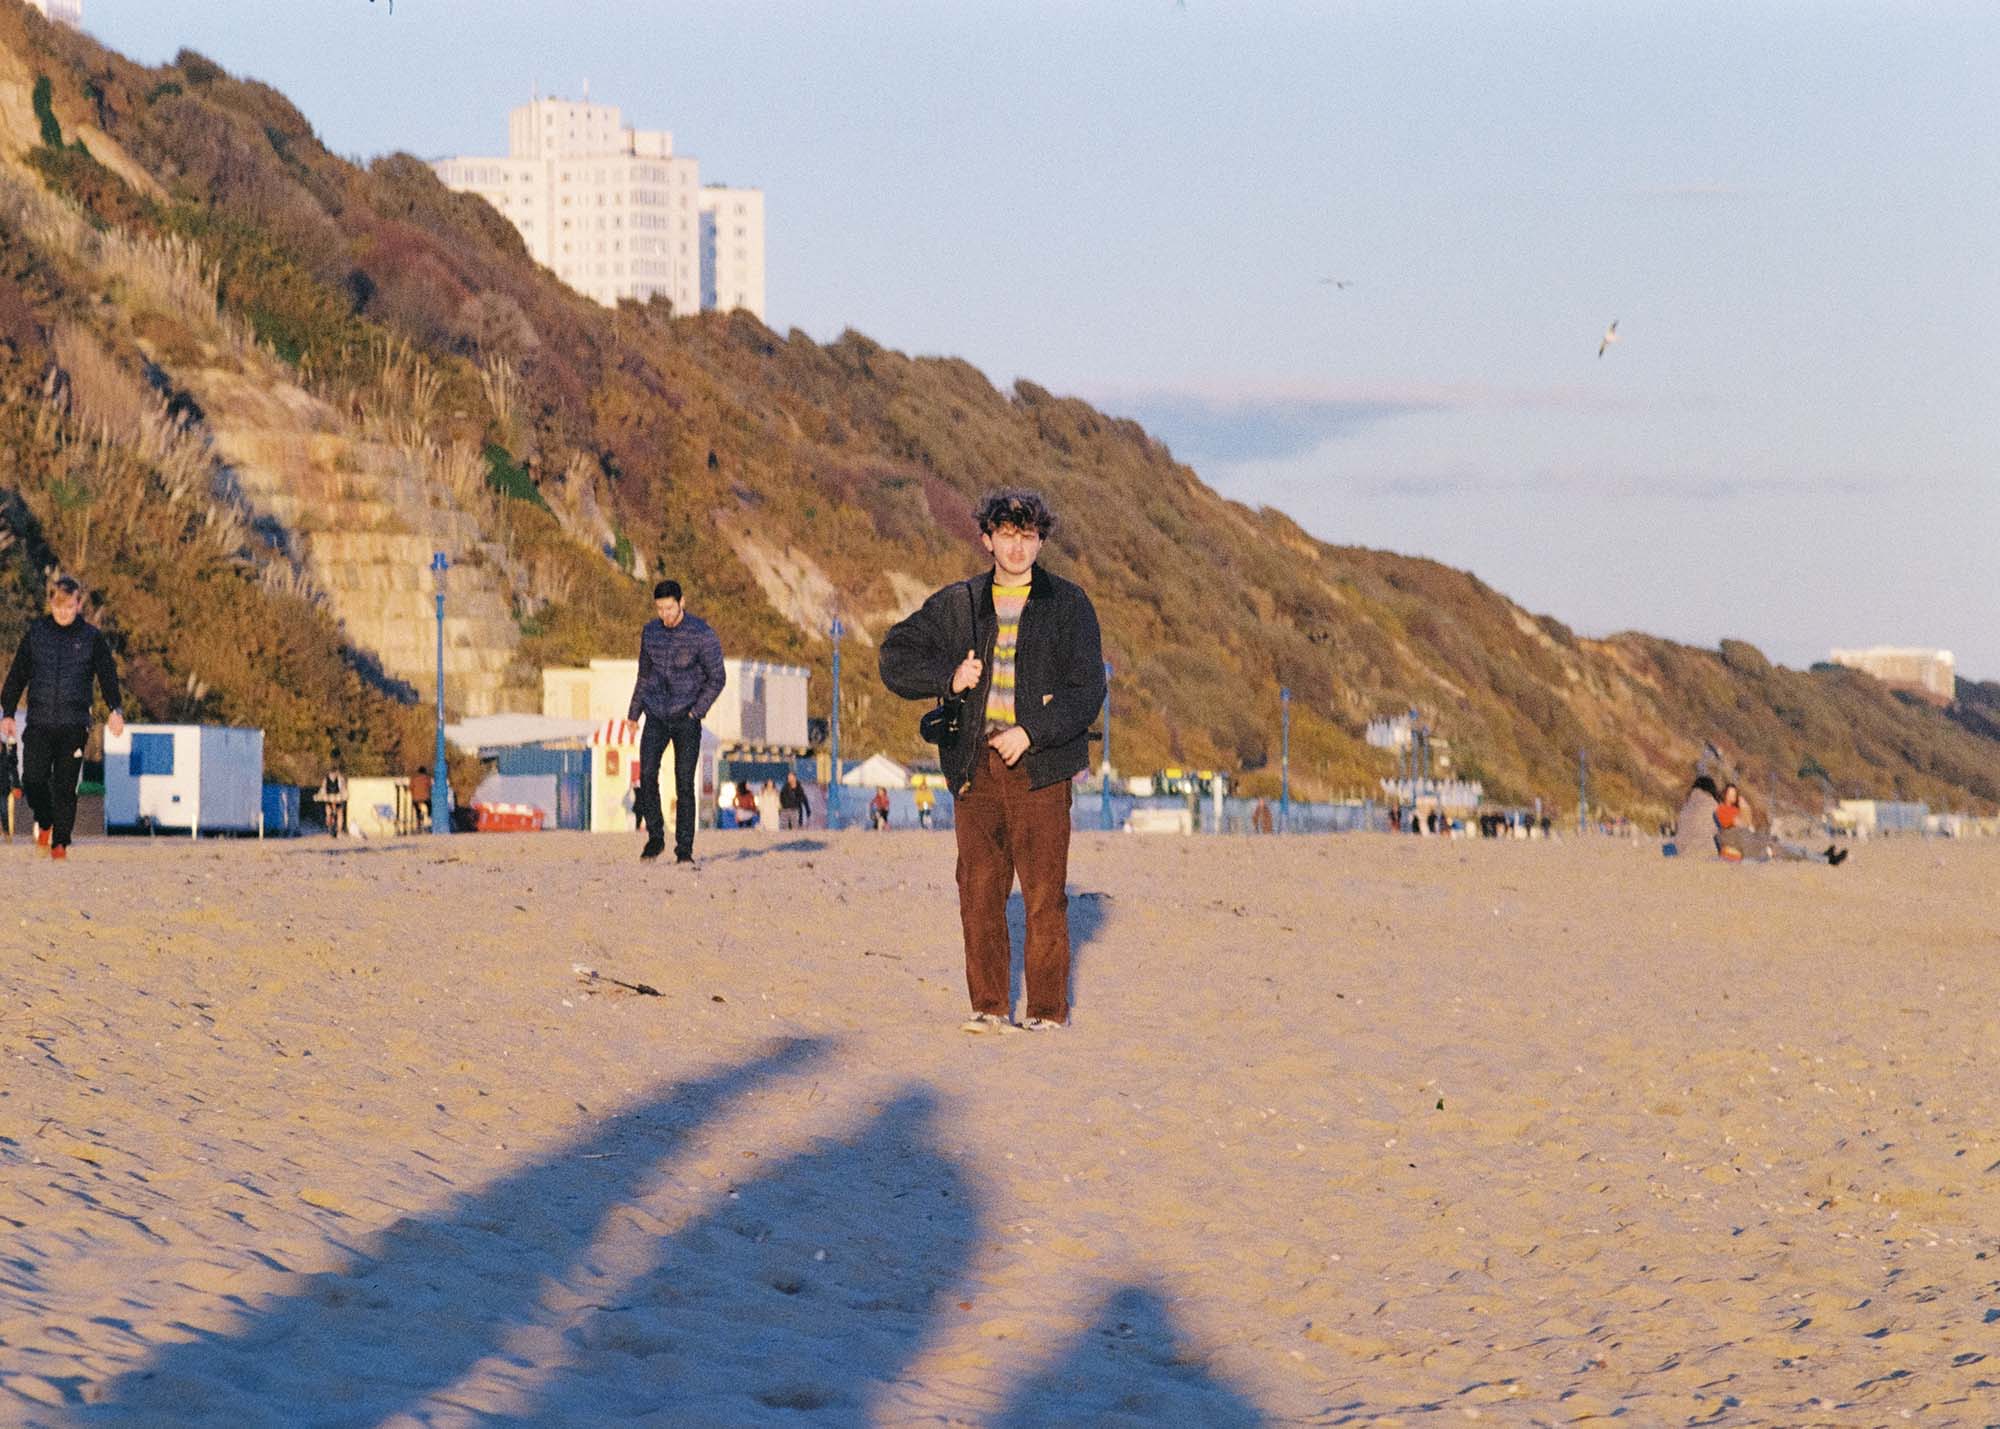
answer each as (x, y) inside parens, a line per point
(926, 802)
(680, 676)
(420, 798)
(1022, 647)
(793, 806)
(878, 810)
(59, 656)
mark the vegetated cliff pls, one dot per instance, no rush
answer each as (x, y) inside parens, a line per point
(340, 368)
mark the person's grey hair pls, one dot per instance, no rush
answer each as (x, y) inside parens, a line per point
(1010, 507)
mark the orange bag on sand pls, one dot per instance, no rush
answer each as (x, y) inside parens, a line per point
(1732, 855)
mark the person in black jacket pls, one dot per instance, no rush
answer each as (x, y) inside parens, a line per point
(1021, 648)
(59, 655)
(793, 806)
(680, 675)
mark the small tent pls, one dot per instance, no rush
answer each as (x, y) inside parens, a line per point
(877, 771)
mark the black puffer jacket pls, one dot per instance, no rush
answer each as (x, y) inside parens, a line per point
(55, 664)
(680, 669)
(1058, 670)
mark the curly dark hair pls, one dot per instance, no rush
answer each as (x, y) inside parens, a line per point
(1009, 507)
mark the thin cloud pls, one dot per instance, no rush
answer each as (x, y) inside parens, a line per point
(1199, 429)
(1705, 487)
(1228, 423)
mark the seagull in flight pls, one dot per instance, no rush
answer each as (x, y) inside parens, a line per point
(1336, 282)
(1610, 336)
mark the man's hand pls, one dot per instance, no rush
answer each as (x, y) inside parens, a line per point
(967, 674)
(116, 724)
(7, 727)
(1011, 743)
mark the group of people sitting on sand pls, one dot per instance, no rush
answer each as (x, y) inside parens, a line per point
(1719, 819)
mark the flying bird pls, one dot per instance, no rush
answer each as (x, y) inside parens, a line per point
(1610, 336)
(1336, 282)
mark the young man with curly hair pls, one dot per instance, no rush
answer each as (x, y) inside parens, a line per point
(1021, 647)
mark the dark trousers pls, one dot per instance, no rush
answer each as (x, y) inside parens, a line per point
(52, 759)
(684, 732)
(1004, 828)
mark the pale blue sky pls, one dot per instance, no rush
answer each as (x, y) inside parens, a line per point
(1793, 210)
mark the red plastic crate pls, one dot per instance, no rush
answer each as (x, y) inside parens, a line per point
(506, 818)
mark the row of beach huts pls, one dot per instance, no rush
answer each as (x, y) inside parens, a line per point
(575, 765)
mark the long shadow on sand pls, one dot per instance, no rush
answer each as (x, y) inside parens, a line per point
(557, 1297)
(800, 1300)
(432, 1296)
(1087, 914)
(805, 845)
(1130, 1367)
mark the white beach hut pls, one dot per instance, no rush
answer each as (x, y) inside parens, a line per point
(184, 778)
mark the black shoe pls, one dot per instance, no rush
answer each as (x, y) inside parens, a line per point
(684, 860)
(653, 849)
(1836, 856)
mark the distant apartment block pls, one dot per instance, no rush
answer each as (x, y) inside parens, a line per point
(615, 213)
(732, 249)
(1930, 673)
(63, 12)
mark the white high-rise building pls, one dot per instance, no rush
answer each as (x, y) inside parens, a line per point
(64, 12)
(732, 249)
(613, 212)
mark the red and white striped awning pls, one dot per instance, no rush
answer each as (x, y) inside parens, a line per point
(616, 731)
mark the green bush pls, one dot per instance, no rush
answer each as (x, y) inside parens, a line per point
(510, 478)
(45, 114)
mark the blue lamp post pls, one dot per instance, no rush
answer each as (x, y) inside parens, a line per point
(1104, 782)
(1583, 791)
(1285, 757)
(440, 778)
(833, 734)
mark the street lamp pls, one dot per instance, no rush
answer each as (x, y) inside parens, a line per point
(1583, 791)
(440, 778)
(833, 732)
(1285, 757)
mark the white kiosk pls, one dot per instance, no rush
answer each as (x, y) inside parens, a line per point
(192, 778)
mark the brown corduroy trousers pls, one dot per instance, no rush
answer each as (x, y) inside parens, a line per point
(1004, 827)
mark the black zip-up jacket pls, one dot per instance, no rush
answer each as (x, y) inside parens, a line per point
(1058, 671)
(680, 669)
(54, 664)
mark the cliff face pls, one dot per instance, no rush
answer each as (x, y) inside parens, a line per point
(347, 368)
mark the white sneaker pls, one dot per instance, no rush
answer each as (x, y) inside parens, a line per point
(985, 1022)
(1043, 1024)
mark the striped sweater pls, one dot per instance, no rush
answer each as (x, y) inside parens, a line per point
(1008, 602)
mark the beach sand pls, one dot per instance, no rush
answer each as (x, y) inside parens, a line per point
(1359, 1130)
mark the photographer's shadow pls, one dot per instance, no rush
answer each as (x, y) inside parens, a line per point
(420, 1304)
(1130, 1367)
(808, 1292)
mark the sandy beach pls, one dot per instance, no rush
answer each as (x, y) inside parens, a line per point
(1356, 1130)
